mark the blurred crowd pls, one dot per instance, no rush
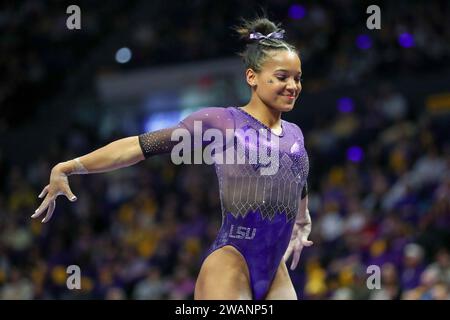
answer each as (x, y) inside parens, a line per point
(142, 232)
(380, 172)
(40, 56)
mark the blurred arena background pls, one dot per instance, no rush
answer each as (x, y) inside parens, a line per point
(375, 112)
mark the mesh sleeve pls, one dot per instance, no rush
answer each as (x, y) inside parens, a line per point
(159, 142)
(156, 142)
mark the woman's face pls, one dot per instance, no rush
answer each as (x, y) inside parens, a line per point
(278, 83)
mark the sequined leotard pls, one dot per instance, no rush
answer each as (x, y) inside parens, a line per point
(258, 210)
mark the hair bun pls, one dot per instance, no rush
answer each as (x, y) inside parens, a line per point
(261, 25)
(266, 36)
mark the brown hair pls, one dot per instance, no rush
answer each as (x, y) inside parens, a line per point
(257, 51)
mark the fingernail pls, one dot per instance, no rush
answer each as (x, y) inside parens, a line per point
(73, 198)
(43, 220)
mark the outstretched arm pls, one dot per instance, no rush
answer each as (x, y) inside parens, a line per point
(123, 153)
(118, 154)
(300, 234)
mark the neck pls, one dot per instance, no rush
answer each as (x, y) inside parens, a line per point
(270, 117)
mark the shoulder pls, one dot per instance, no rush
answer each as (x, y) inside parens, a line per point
(212, 112)
(211, 117)
(294, 129)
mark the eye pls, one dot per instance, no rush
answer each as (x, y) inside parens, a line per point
(283, 78)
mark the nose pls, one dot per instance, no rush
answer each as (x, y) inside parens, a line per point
(291, 86)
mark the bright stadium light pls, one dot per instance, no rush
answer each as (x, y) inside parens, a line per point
(123, 55)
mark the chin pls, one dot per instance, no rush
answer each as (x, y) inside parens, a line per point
(282, 106)
(285, 107)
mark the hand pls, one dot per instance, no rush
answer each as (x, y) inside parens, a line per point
(299, 239)
(59, 185)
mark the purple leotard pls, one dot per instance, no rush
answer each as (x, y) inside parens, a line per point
(258, 210)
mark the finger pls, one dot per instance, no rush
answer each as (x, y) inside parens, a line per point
(307, 243)
(69, 195)
(288, 253)
(42, 207)
(296, 257)
(51, 208)
(44, 191)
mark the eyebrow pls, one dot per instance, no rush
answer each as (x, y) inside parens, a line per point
(284, 70)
